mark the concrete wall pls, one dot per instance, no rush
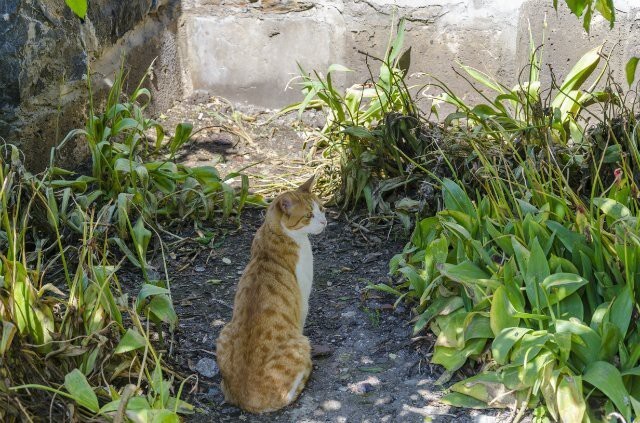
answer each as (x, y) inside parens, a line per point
(247, 50)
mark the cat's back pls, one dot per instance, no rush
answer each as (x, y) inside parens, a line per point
(268, 285)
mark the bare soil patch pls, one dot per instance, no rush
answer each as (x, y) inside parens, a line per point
(367, 366)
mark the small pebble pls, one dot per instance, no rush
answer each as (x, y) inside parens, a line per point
(199, 269)
(383, 401)
(365, 386)
(226, 260)
(207, 367)
(213, 391)
(331, 405)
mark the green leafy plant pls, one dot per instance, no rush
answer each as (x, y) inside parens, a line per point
(524, 111)
(370, 129)
(66, 324)
(548, 291)
(588, 7)
(135, 176)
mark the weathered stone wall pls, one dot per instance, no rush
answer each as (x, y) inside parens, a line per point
(45, 51)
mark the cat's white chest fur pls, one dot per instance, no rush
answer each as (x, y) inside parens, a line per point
(304, 267)
(304, 274)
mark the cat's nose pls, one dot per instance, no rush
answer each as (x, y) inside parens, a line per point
(323, 220)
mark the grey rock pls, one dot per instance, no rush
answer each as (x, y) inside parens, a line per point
(207, 367)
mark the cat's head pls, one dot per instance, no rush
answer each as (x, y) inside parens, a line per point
(300, 211)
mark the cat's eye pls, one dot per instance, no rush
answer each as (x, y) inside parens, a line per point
(309, 215)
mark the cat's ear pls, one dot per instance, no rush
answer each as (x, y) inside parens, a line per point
(285, 203)
(306, 187)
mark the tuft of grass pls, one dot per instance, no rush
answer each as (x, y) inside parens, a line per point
(371, 129)
(69, 333)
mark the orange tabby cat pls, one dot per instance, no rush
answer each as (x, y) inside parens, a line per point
(263, 356)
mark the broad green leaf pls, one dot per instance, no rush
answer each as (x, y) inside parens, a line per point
(126, 251)
(622, 309)
(124, 125)
(504, 342)
(462, 219)
(537, 270)
(630, 70)
(385, 288)
(205, 174)
(440, 305)
(576, 6)
(587, 342)
(416, 282)
(452, 358)
(579, 73)
(162, 308)
(560, 285)
(77, 385)
(522, 255)
(456, 199)
(141, 237)
(488, 388)
(456, 399)
(533, 365)
(477, 325)
(164, 416)
(359, 132)
(124, 165)
(79, 7)
(134, 404)
(502, 312)
(607, 10)
(181, 136)
(148, 290)
(570, 307)
(131, 340)
(606, 377)
(396, 46)
(8, 332)
(570, 400)
(613, 208)
(529, 347)
(435, 255)
(338, 68)
(484, 79)
(467, 273)
(611, 338)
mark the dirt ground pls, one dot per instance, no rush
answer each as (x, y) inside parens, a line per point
(367, 366)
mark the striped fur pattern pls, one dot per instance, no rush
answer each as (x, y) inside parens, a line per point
(263, 356)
